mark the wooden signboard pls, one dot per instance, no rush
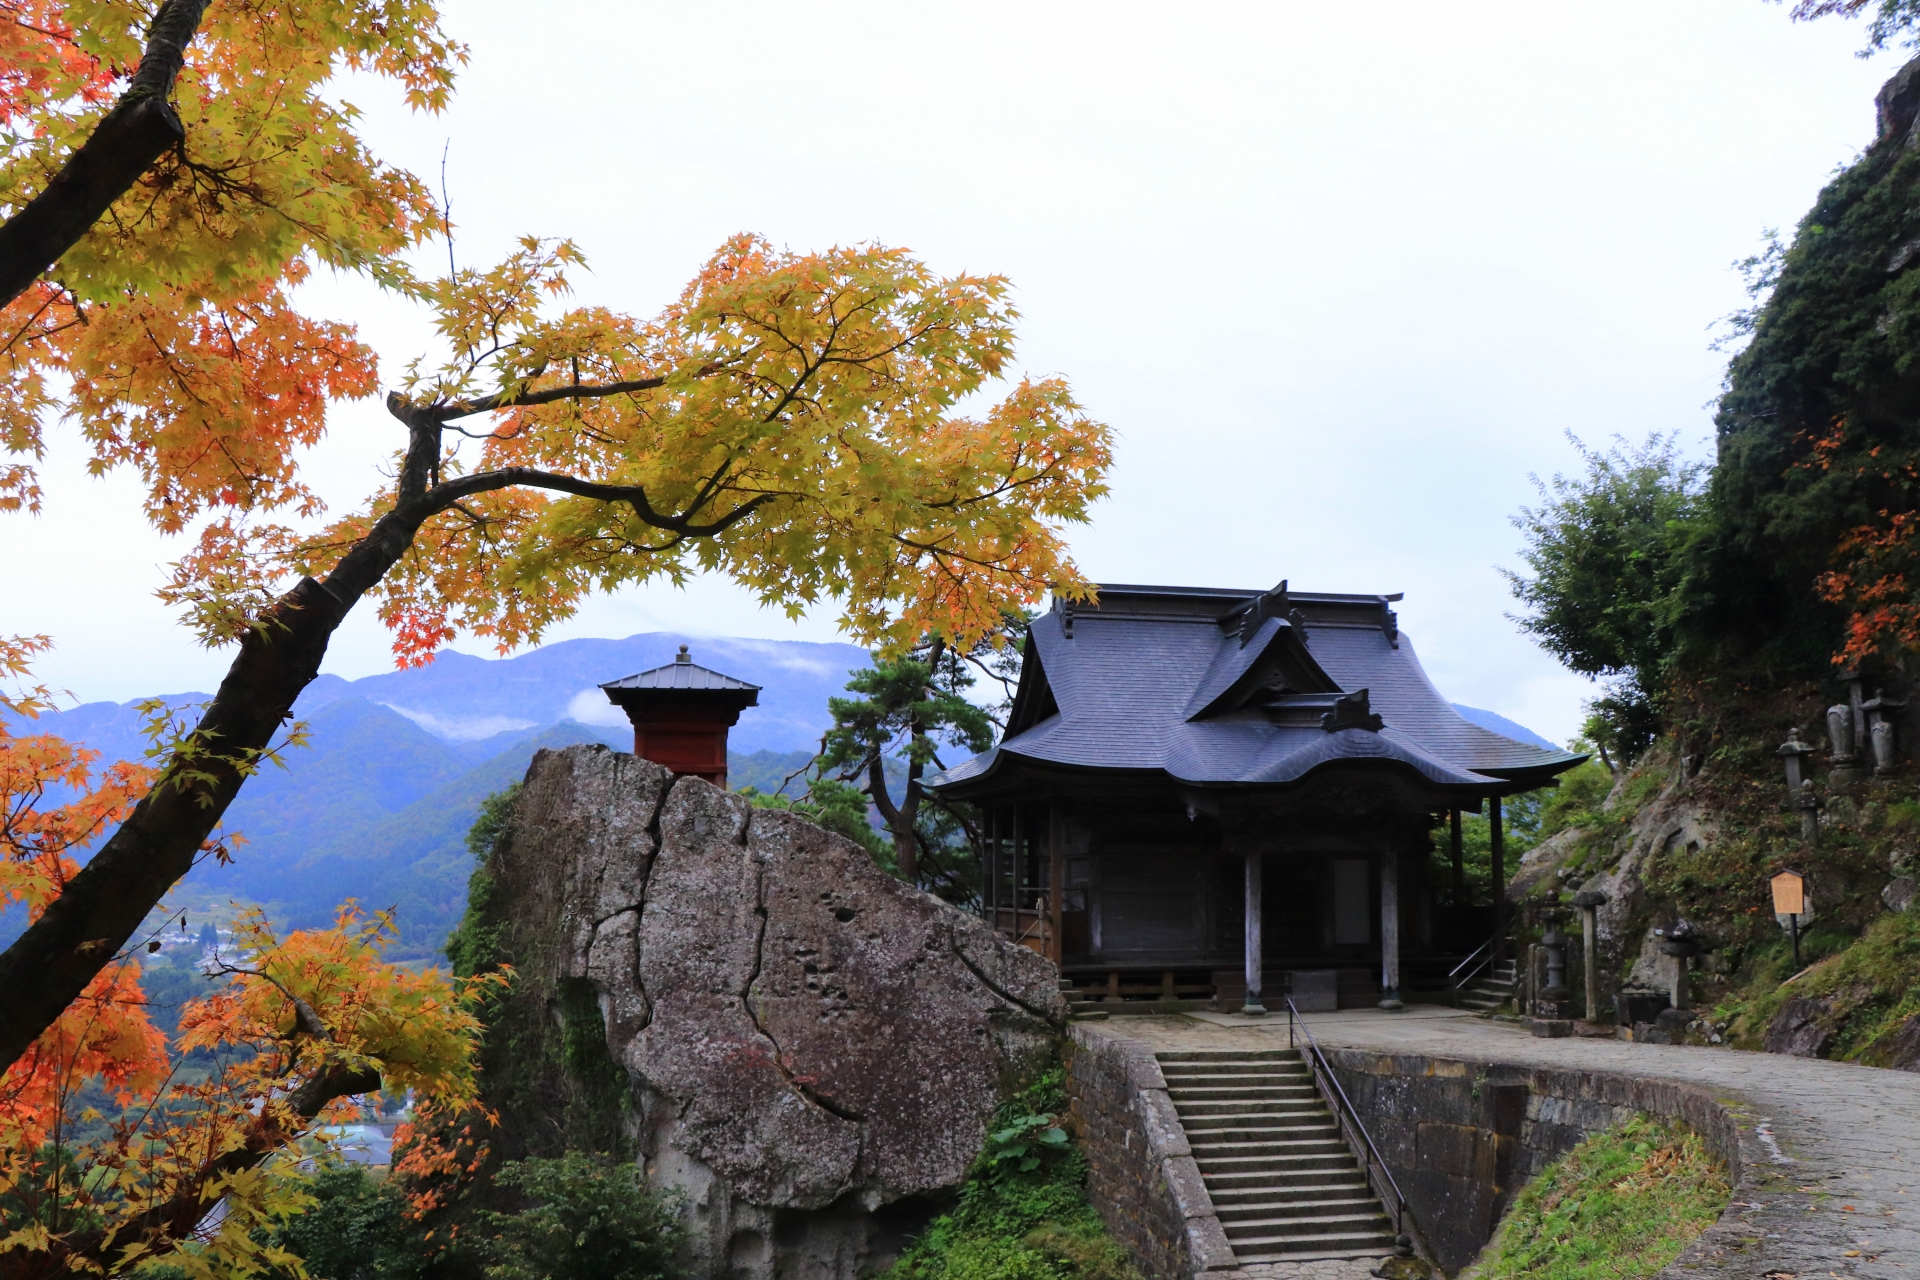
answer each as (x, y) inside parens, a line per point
(1789, 894)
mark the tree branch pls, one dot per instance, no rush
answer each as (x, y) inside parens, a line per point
(138, 131)
(173, 1219)
(509, 400)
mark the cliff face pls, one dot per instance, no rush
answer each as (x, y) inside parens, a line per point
(804, 1049)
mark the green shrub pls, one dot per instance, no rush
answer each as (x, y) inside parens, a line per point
(591, 1218)
(355, 1229)
(1620, 1206)
(1023, 1212)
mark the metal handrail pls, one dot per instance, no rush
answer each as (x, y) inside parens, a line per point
(1405, 1227)
(1493, 947)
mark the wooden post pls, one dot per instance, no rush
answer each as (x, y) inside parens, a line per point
(1018, 870)
(1459, 865)
(1056, 883)
(1253, 1007)
(1390, 928)
(1498, 839)
(990, 871)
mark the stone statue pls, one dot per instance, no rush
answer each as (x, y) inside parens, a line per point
(1840, 734)
(1882, 733)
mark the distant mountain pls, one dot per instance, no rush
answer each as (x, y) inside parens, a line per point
(377, 804)
(1500, 724)
(463, 699)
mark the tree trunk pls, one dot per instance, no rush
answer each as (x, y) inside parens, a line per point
(899, 819)
(124, 145)
(50, 964)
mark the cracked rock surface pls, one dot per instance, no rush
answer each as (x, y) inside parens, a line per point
(801, 1030)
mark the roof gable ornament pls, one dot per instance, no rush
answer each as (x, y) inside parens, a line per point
(1271, 604)
(1352, 711)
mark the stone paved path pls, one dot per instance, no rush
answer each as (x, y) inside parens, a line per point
(1836, 1193)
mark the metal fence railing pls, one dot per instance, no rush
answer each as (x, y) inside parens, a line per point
(1407, 1234)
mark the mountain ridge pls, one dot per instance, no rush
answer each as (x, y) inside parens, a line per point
(376, 805)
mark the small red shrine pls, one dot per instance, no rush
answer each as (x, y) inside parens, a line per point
(681, 713)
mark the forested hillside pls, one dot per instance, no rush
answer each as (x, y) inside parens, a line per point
(1726, 607)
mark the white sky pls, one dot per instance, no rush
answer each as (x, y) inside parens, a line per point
(1339, 276)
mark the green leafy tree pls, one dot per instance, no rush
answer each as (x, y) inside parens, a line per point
(838, 806)
(1607, 551)
(590, 1218)
(355, 1228)
(1893, 21)
(905, 709)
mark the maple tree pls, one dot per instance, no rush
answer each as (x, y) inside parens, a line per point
(299, 1025)
(793, 420)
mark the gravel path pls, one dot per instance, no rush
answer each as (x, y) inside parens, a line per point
(1832, 1186)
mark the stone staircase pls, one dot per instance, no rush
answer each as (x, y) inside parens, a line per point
(1492, 989)
(1284, 1184)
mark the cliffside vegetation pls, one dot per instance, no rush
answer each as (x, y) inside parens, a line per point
(1023, 1213)
(1620, 1206)
(1720, 605)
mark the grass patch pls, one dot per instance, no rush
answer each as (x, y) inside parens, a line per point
(1619, 1206)
(1023, 1212)
(1875, 984)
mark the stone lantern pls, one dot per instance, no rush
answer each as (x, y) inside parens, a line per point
(1553, 996)
(1880, 710)
(1682, 941)
(1588, 903)
(1793, 754)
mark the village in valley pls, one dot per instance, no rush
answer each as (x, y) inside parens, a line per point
(808, 760)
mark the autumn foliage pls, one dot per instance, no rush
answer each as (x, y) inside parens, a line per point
(839, 427)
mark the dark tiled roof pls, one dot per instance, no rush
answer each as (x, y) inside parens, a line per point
(1157, 678)
(684, 674)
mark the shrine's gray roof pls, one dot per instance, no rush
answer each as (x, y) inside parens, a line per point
(1160, 678)
(681, 673)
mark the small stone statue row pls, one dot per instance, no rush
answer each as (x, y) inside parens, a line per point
(1843, 723)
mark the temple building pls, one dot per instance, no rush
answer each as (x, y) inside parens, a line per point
(682, 713)
(1211, 794)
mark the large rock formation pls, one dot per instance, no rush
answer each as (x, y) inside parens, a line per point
(811, 1048)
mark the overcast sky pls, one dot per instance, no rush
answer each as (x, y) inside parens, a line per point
(1339, 276)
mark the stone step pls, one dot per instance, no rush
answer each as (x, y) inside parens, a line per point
(1213, 1130)
(1265, 1192)
(1211, 1091)
(1284, 1184)
(1273, 1093)
(1194, 1110)
(1205, 1155)
(1279, 1210)
(1315, 1254)
(1289, 1179)
(1275, 1165)
(1239, 1073)
(1362, 1229)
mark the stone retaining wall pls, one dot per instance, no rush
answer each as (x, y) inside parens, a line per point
(1141, 1174)
(1462, 1137)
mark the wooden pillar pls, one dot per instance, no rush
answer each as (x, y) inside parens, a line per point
(1390, 927)
(1253, 1006)
(989, 895)
(1019, 868)
(1498, 837)
(1056, 883)
(1459, 865)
